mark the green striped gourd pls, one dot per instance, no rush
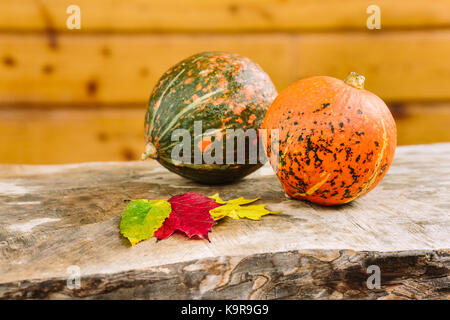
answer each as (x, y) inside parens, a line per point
(223, 91)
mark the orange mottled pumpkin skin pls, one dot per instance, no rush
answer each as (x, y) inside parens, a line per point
(336, 142)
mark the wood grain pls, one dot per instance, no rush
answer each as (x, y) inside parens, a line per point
(220, 16)
(399, 66)
(117, 68)
(49, 136)
(421, 123)
(321, 274)
(306, 252)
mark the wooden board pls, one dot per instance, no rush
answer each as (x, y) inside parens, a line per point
(421, 123)
(220, 16)
(116, 68)
(399, 66)
(66, 135)
(71, 135)
(53, 217)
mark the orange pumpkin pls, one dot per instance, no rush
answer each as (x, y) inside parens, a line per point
(336, 140)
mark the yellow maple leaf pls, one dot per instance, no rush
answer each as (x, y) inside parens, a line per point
(234, 209)
(238, 201)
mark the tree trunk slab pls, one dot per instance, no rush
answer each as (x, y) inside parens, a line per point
(54, 217)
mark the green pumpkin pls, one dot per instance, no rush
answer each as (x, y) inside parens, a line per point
(223, 91)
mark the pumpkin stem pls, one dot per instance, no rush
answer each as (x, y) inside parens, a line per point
(355, 80)
(150, 151)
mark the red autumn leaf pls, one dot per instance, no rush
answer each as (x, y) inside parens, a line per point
(190, 214)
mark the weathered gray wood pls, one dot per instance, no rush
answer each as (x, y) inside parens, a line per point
(52, 217)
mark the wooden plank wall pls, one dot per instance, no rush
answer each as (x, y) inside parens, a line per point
(80, 95)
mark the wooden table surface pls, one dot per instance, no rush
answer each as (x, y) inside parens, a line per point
(54, 217)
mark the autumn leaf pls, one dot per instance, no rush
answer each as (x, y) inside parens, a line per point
(141, 218)
(190, 214)
(238, 201)
(234, 209)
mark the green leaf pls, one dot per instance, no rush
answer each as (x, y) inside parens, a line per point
(141, 218)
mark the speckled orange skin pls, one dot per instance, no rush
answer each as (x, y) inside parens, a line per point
(336, 141)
